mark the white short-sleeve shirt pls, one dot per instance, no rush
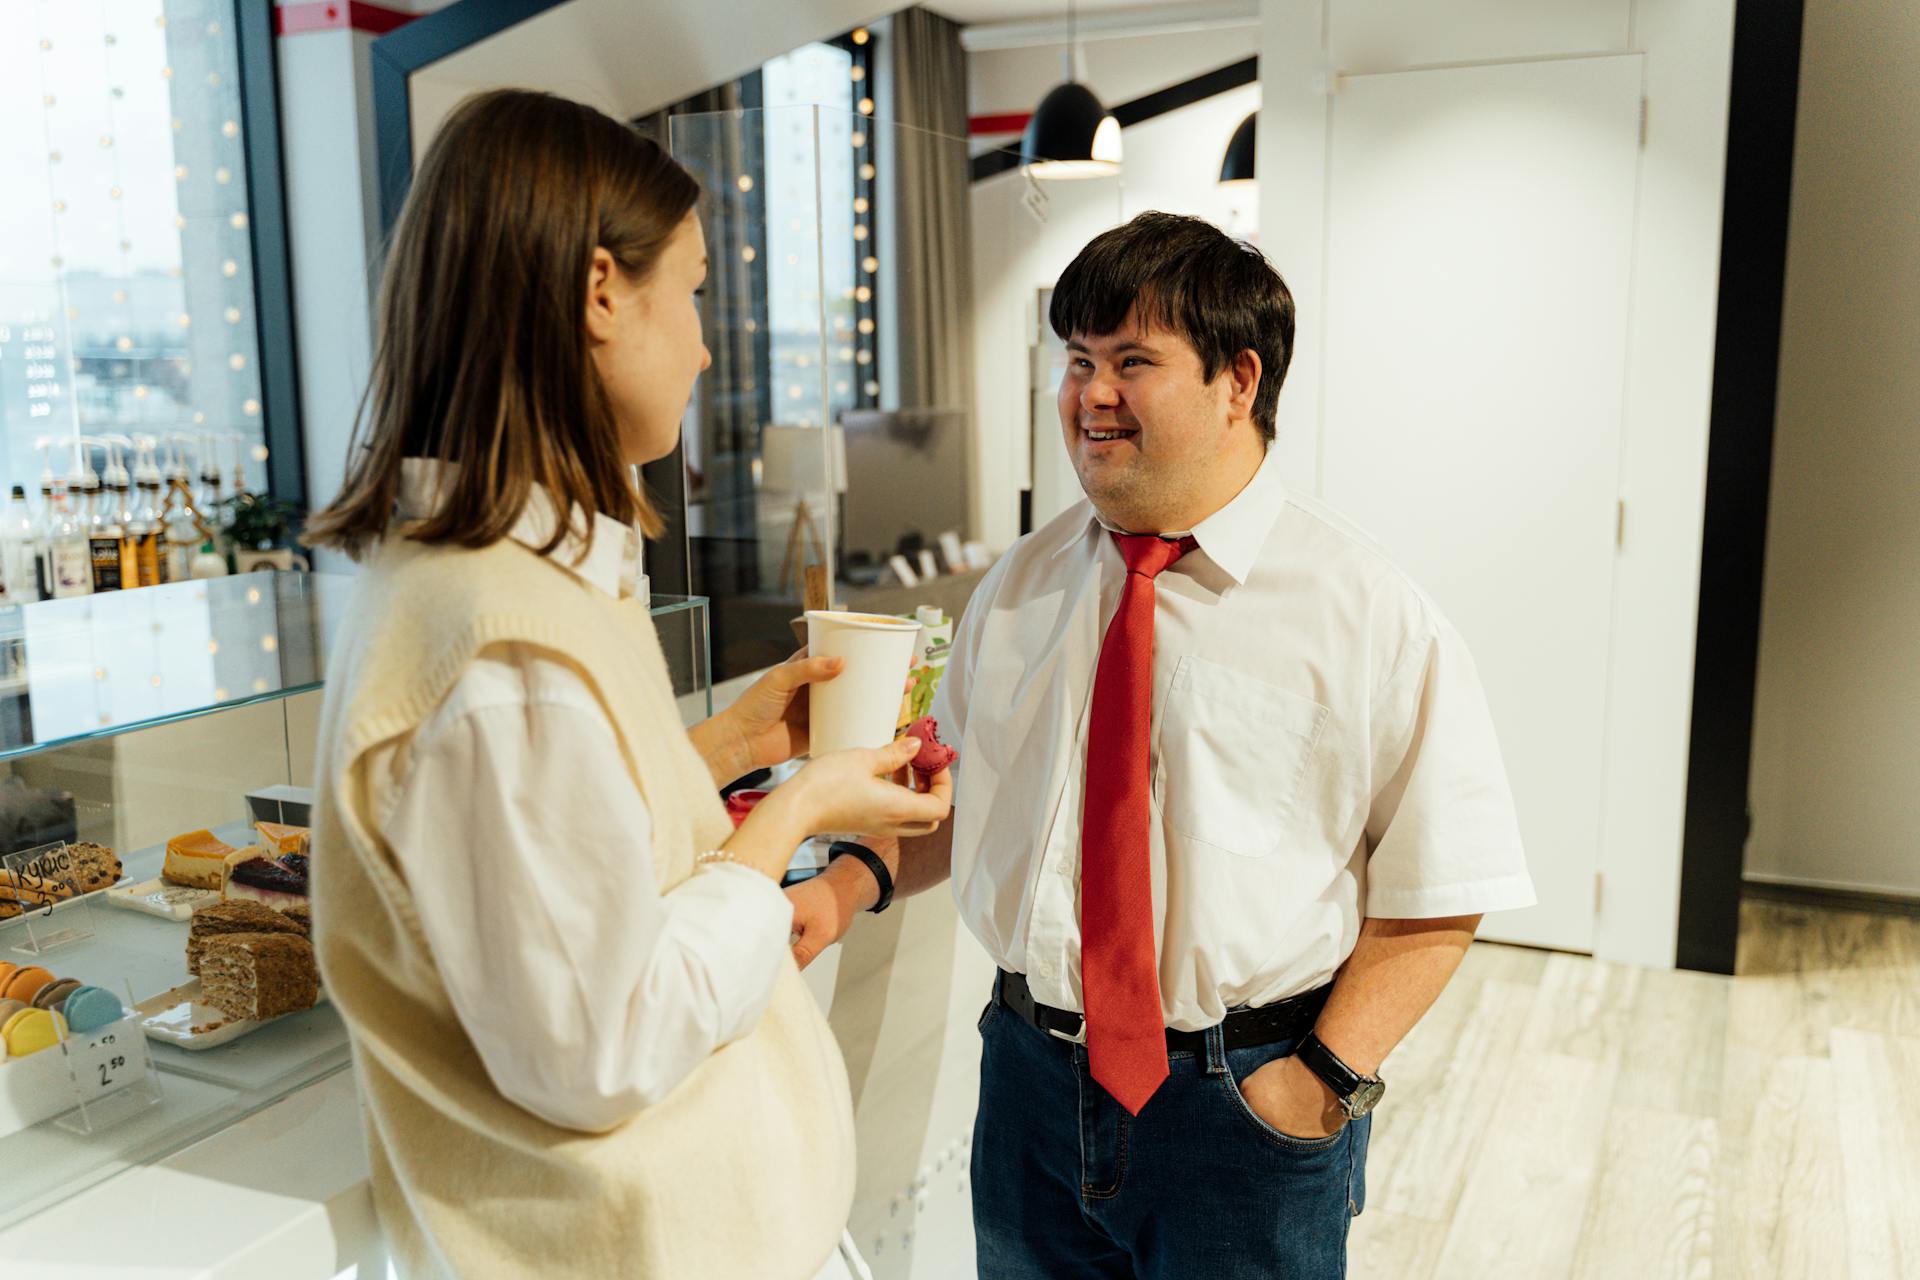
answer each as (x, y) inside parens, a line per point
(1321, 751)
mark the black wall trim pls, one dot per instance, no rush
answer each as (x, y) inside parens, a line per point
(1746, 364)
(994, 163)
(398, 54)
(272, 254)
(1188, 92)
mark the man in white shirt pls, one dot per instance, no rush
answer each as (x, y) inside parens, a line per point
(1228, 807)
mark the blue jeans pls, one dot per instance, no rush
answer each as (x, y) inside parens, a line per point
(1068, 1186)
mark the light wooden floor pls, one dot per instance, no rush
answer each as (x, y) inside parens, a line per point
(1556, 1116)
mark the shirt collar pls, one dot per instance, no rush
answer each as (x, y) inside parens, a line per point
(1232, 536)
(612, 563)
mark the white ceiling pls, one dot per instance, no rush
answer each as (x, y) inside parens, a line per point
(972, 12)
(626, 60)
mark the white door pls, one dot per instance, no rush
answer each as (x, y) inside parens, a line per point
(1055, 486)
(1479, 239)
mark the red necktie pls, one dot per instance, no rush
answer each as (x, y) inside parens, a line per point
(1126, 1035)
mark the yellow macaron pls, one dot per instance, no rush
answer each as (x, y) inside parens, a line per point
(31, 1030)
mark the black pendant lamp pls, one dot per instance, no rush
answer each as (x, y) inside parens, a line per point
(1238, 164)
(1070, 135)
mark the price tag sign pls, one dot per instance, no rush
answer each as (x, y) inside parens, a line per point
(106, 1061)
(36, 881)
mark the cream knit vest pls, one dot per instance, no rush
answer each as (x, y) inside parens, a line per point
(745, 1172)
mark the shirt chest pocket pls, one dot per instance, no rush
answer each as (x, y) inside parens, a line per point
(1233, 752)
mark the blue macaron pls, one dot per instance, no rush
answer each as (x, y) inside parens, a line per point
(91, 1008)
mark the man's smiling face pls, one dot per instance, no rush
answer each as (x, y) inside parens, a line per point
(1146, 431)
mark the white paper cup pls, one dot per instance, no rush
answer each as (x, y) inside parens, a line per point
(860, 706)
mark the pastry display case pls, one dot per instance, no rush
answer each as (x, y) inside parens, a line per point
(156, 754)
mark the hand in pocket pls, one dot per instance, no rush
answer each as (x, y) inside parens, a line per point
(1290, 1098)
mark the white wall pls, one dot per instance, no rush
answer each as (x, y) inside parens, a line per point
(1005, 81)
(1668, 372)
(326, 130)
(1171, 162)
(1836, 736)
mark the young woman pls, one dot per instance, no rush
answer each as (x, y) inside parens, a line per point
(582, 1043)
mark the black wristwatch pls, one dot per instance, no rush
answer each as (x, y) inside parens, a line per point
(840, 848)
(1358, 1094)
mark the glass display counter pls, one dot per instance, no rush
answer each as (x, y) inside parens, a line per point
(128, 720)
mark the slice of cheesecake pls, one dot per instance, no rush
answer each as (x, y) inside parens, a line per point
(252, 873)
(197, 859)
(281, 838)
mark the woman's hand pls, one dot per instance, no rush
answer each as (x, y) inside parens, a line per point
(766, 725)
(856, 791)
(824, 907)
(1288, 1096)
(840, 791)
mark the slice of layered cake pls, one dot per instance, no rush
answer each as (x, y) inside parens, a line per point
(258, 975)
(220, 919)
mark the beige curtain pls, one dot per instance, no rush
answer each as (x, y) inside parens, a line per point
(930, 179)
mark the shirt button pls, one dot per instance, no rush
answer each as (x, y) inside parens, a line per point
(1044, 968)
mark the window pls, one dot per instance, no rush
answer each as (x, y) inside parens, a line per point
(127, 302)
(837, 78)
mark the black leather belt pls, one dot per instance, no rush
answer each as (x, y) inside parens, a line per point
(1287, 1019)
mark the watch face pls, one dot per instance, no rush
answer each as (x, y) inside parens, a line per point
(1365, 1098)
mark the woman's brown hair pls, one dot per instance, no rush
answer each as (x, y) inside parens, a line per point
(483, 356)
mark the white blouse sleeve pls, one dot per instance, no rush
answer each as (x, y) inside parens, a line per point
(588, 993)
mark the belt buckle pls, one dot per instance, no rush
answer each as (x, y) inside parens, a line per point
(1079, 1037)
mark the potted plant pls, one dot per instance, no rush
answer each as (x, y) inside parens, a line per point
(255, 527)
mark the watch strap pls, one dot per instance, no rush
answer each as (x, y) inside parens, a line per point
(1323, 1062)
(847, 848)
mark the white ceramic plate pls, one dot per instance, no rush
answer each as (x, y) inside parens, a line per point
(157, 897)
(177, 1017)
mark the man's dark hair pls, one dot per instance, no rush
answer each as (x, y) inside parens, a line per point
(1185, 276)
